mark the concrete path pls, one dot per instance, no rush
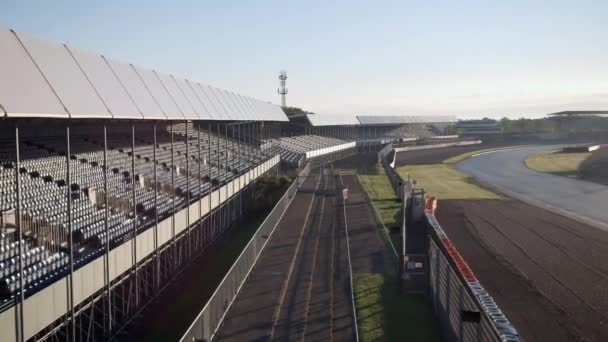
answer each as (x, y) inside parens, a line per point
(505, 170)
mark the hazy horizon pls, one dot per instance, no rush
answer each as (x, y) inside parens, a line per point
(470, 59)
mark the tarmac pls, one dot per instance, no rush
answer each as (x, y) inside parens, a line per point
(505, 171)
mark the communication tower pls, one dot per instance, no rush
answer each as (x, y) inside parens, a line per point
(282, 89)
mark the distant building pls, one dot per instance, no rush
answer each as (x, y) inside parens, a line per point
(478, 127)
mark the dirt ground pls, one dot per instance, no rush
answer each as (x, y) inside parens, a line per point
(548, 273)
(595, 168)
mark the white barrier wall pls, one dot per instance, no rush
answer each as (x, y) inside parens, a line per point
(331, 149)
(427, 147)
(51, 303)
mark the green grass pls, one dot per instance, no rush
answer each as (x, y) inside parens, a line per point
(384, 314)
(445, 182)
(386, 203)
(381, 192)
(557, 163)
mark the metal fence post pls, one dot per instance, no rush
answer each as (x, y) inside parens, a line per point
(106, 232)
(19, 332)
(134, 245)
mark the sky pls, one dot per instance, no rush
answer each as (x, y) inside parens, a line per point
(465, 58)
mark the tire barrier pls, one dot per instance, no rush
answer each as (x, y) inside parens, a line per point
(494, 317)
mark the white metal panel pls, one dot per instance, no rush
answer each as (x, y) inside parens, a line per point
(331, 119)
(206, 101)
(7, 324)
(403, 119)
(272, 115)
(264, 109)
(137, 90)
(23, 90)
(267, 109)
(281, 116)
(178, 96)
(107, 85)
(255, 108)
(236, 112)
(251, 114)
(248, 114)
(65, 77)
(221, 103)
(264, 113)
(221, 111)
(188, 90)
(239, 110)
(272, 112)
(276, 113)
(159, 93)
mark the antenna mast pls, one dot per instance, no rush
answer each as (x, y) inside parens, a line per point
(282, 89)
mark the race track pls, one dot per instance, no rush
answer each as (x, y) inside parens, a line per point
(506, 171)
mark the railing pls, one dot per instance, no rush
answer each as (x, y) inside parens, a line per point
(465, 310)
(210, 318)
(350, 268)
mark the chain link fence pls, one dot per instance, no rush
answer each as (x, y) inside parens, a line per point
(210, 318)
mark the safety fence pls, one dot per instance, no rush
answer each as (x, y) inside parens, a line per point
(210, 318)
(465, 310)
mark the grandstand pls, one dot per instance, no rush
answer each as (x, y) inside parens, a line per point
(113, 177)
(482, 127)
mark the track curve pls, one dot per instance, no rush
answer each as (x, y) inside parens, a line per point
(505, 170)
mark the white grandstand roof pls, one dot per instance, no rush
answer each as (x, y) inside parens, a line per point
(580, 113)
(47, 79)
(403, 119)
(332, 119)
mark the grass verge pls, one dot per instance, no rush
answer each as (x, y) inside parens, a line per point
(445, 182)
(387, 315)
(557, 163)
(386, 204)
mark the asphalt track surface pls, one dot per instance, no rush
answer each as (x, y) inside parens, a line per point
(547, 272)
(368, 248)
(295, 292)
(505, 170)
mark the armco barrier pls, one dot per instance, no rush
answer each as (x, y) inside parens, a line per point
(210, 318)
(465, 310)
